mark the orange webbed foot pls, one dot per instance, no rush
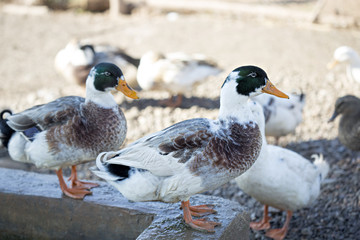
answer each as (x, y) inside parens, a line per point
(280, 233)
(76, 193)
(203, 225)
(264, 224)
(202, 210)
(276, 234)
(75, 183)
(198, 224)
(260, 225)
(83, 185)
(71, 192)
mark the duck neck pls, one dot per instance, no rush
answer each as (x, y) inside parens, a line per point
(103, 99)
(354, 59)
(235, 107)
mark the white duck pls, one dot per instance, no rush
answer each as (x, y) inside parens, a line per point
(345, 54)
(281, 116)
(282, 179)
(176, 73)
(70, 130)
(195, 155)
(76, 59)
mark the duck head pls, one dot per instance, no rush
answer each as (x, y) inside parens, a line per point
(104, 78)
(343, 54)
(240, 85)
(251, 81)
(107, 77)
(347, 105)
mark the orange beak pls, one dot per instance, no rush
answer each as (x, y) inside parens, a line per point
(126, 89)
(332, 64)
(271, 89)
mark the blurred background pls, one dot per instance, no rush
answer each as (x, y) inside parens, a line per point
(292, 40)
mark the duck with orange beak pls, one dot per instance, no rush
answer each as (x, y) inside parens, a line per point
(194, 155)
(70, 130)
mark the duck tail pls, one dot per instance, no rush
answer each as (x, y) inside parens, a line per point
(101, 168)
(321, 164)
(100, 161)
(5, 131)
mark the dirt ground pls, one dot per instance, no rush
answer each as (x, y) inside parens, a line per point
(293, 53)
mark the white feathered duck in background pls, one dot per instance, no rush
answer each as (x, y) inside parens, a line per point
(76, 59)
(175, 72)
(281, 116)
(345, 54)
(281, 178)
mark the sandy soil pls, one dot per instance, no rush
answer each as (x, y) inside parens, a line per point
(294, 54)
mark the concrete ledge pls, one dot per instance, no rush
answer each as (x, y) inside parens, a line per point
(33, 207)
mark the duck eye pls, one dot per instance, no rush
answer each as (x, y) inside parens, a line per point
(107, 74)
(253, 74)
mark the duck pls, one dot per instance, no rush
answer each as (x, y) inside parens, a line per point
(282, 179)
(70, 130)
(349, 127)
(194, 155)
(175, 72)
(348, 55)
(281, 116)
(76, 59)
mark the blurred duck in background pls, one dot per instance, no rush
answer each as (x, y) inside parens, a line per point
(75, 61)
(176, 73)
(349, 127)
(282, 116)
(70, 130)
(345, 54)
(282, 179)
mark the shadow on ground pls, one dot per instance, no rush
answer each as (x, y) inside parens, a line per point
(187, 103)
(331, 149)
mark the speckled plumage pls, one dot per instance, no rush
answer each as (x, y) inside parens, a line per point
(234, 153)
(206, 156)
(74, 130)
(86, 131)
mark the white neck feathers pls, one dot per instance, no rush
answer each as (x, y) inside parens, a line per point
(103, 99)
(233, 104)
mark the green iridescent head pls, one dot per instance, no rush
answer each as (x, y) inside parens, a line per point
(252, 80)
(108, 76)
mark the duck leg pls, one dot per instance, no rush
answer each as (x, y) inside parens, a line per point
(264, 223)
(70, 192)
(197, 224)
(280, 233)
(75, 183)
(277, 140)
(171, 103)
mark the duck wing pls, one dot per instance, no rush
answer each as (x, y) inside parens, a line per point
(46, 115)
(165, 152)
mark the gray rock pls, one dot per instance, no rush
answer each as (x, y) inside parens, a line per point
(32, 206)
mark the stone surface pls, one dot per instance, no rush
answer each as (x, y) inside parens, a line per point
(33, 207)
